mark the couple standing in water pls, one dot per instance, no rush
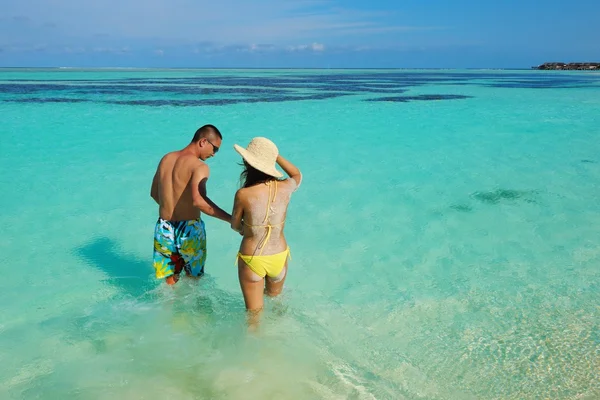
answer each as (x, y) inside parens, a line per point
(259, 211)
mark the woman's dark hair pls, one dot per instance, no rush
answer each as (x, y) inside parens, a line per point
(250, 176)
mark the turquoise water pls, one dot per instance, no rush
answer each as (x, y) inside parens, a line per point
(445, 240)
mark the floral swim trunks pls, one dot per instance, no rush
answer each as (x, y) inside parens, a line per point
(179, 245)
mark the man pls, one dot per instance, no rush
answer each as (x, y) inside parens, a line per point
(179, 189)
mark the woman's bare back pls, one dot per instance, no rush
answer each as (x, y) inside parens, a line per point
(254, 200)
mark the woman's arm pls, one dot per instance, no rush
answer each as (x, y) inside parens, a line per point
(237, 214)
(290, 169)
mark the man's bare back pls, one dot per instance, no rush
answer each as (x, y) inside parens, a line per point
(174, 186)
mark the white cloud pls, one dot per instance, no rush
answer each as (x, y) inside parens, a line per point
(108, 50)
(169, 22)
(258, 48)
(317, 47)
(74, 50)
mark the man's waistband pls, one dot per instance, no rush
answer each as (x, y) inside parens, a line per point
(177, 222)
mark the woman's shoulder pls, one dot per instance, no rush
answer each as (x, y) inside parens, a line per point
(241, 193)
(245, 192)
(289, 184)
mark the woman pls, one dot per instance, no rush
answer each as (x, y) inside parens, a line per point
(259, 211)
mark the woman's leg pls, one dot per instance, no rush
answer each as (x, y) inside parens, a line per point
(252, 287)
(274, 286)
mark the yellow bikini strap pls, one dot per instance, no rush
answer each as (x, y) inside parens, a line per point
(269, 201)
(268, 226)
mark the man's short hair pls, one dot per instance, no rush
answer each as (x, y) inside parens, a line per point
(205, 132)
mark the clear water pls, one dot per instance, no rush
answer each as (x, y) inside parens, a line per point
(444, 247)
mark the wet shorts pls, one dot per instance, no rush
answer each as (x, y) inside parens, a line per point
(179, 245)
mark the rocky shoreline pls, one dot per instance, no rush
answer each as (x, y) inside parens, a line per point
(587, 66)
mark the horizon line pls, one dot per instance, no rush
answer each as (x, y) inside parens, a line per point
(261, 68)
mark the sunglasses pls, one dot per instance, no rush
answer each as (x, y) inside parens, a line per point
(215, 148)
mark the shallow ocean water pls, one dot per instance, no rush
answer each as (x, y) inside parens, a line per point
(444, 239)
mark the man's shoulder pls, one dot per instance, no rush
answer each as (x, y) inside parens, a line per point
(197, 167)
(197, 163)
(179, 161)
(184, 158)
(171, 156)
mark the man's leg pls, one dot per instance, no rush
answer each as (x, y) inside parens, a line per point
(193, 248)
(164, 252)
(178, 263)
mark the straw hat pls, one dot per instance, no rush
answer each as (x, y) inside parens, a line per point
(262, 154)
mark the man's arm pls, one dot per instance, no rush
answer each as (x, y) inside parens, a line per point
(237, 214)
(154, 188)
(199, 197)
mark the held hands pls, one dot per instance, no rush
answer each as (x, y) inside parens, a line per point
(240, 231)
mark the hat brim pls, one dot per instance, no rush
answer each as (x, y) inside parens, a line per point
(256, 163)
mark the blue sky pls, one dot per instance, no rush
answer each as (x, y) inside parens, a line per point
(297, 33)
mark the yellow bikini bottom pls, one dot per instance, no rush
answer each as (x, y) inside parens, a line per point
(270, 265)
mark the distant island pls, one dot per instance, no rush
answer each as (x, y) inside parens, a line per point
(583, 66)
